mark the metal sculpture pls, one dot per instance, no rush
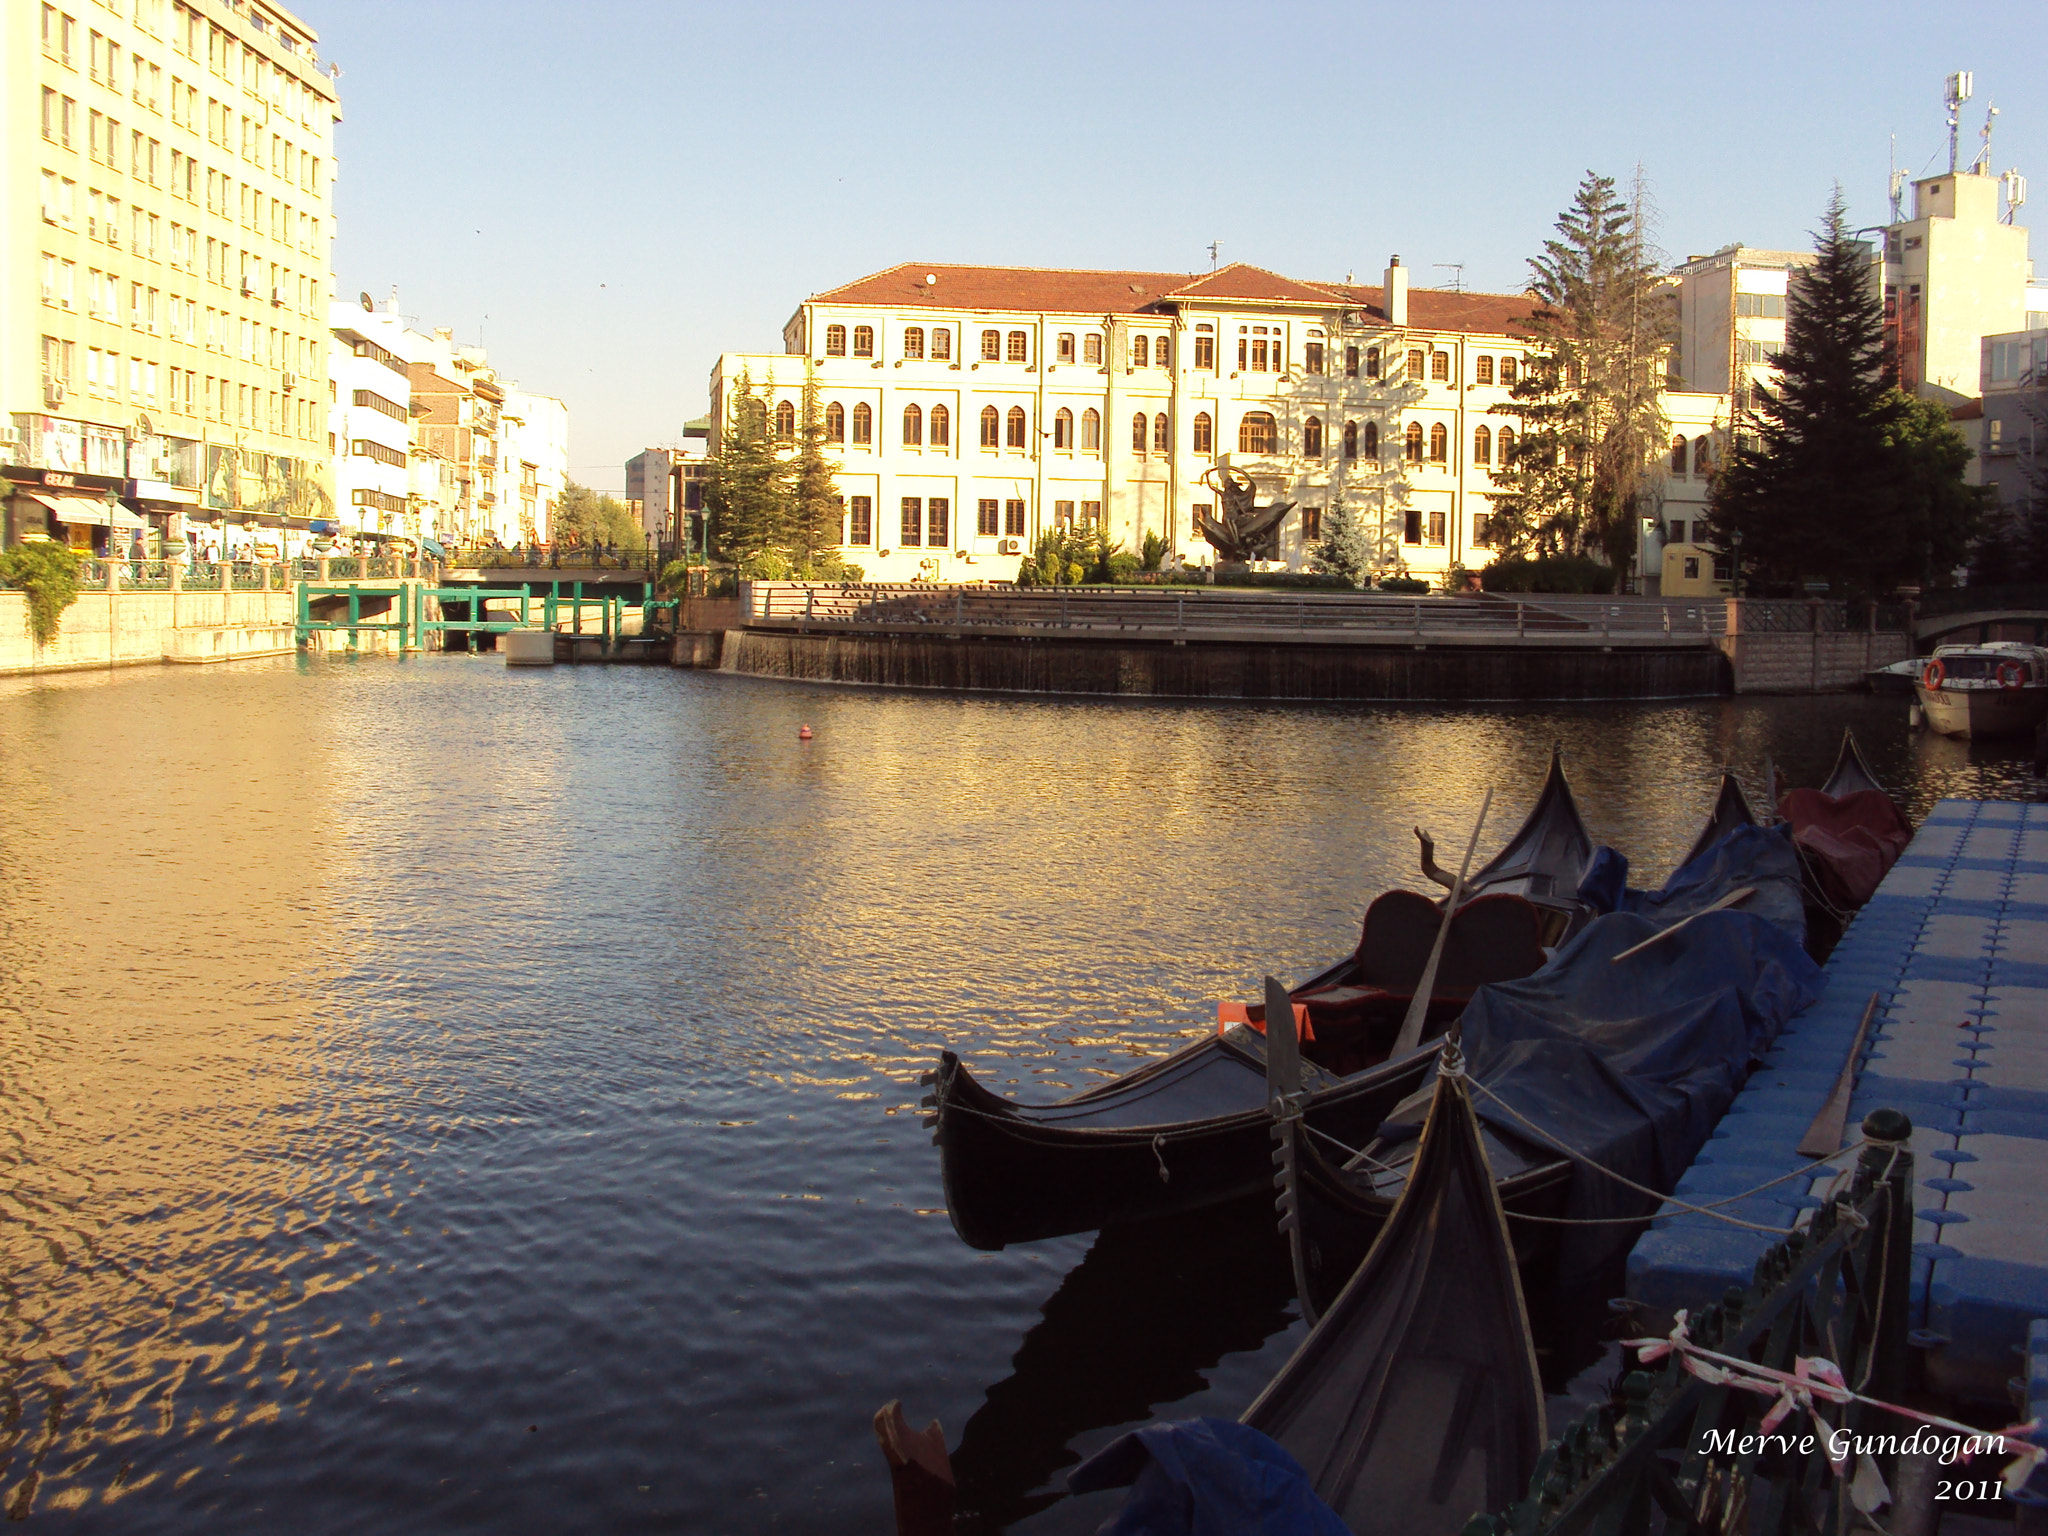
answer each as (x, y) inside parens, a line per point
(1243, 528)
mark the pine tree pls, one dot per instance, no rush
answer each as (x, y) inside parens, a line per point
(1349, 549)
(1834, 474)
(1592, 425)
(814, 507)
(746, 481)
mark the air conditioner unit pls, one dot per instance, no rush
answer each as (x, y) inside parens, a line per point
(1009, 546)
(53, 394)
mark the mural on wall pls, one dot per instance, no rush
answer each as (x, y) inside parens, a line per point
(237, 480)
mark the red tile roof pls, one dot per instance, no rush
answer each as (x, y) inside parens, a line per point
(1069, 292)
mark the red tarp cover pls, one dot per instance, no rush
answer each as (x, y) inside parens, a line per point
(1848, 842)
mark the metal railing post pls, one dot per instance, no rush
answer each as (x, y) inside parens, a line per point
(1180, 610)
(1063, 607)
(1418, 615)
(1521, 620)
(959, 603)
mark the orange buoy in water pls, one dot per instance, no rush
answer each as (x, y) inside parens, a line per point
(803, 733)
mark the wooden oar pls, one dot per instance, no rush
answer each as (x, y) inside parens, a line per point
(1664, 933)
(1823, 1138)
(1418, 1006)
(1283, 1051)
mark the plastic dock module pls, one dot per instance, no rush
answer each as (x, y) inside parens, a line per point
(1955, 944)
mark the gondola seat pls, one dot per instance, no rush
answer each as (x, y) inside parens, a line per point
(1492, 938)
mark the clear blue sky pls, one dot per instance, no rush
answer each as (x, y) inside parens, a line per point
(611, 194)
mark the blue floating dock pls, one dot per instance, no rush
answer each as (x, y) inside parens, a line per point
(1955, 944)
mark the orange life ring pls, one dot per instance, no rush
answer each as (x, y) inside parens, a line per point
(1931, 676)
(2011, 674)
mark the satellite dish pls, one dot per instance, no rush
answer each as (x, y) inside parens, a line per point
(368, 307)
(931, 279)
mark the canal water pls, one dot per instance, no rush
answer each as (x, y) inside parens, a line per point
(445, 1099)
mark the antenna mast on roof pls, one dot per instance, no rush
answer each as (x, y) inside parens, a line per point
(1955, 93)
(1215, 251)
(1896, 181)
(1981, 166)
(1457, 271)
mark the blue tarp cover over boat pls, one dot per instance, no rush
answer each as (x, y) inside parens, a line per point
(1759, 857)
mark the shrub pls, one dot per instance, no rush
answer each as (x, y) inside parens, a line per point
(48, 573)
(1403, 584)
(1123, 565)
(1244, 576)
(1152, 553)
(1550, 573)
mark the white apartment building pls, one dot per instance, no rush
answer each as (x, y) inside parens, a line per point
(370, 409)
(1954, 273)
(1731, 318)
(534, 434)
(972, 407)
(163, 306)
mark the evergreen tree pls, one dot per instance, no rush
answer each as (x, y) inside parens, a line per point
(1592, 426)
(746, 481)
(814, 506)
(1835, 475)
(1349, 550)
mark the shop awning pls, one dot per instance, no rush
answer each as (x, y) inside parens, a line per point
(89, 510)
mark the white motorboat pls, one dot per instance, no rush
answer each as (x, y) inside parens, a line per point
(1999, 688)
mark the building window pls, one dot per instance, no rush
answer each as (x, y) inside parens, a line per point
(835, 341)
(1258, 433)
(941, 425)
(1440, 367)
(863, 341)
(1162, 434)
(1141, 352)
(1351, 362)
(1019, 350)
(1507, 370)
(1414, 442)
(1066, 346)
(863, 425)
(1762, 306)
(1369, 446)
(1161, 356)
(912, 529)
(1372, 362)
(991, 428)
(988, 517)
(1702, 457)
(1507, 445)
(1482, 531)
(1091, 514)
(785, 420)
(991, 346)
(1063, 428)
(1311, 525)
(1678, 530)
(1063, 515)
(938, 513)
(1138, 433)
(1259, 356)
(1439, 443)
(1013, 518)
(1411, 526)
(1205, 349)
(861, 520)
(1482, 370)
(835, 423)
(913, 341)
(1312, 438)
(1350, 440)
(913, 428)
(1091, 432)
(1312, 361)
(1016, 424)
(942, 345)
(1091, 348)
(1205, 429)
(1436, 529)
(1415, 363)
(1482, 446)
(1678, 454)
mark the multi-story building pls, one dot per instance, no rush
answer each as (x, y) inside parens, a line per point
(169, 187)
(666, 486)
(535, 439)
(972, 408)
(1731, 319)
(2014, 453)
(370, 405)
(459, 400)
(1954, 273)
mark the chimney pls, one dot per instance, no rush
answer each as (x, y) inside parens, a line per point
(1397, 293)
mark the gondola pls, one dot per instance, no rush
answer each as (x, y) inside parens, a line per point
(1849, 832)
(1189, 1130)
(1412, 1405)
(1731, 810)
(1625, 1054)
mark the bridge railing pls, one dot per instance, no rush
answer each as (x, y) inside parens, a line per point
(644, 558)
(2005, 597)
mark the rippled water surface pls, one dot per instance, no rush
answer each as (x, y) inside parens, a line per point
(439, 1099)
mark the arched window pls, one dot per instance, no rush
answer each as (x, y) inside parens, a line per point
(1415, 363)
(1482, 370)
(940, 427)
(913, 341)
(753, 418)
(1141, 352)
(1063, 428)
(1507, 440)
(835, 341)
(1161, 357)
(1091, 432)
(942, 345)
(1162, 434)
(1138, 433)
(1372, 362)
(991, 346)
(1370, 448)
(991, 427)
(913, 427)
(1312, 438)
(1414, 451)
(1439, 443)
(1016, 426)
(1257, 433)
(1507, 370)
(785, 420)
(863, 424)
(1482, 446)
(835, 423)
(863, 341)
(1702, 456)
(1678, 454)
(1350, 440)
(1205, 433)
(1440, 367)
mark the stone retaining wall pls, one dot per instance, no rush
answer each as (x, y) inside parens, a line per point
(1829, 661)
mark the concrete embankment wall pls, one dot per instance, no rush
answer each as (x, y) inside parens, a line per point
(1826, 661)
(1226, 670)
(123, 629)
